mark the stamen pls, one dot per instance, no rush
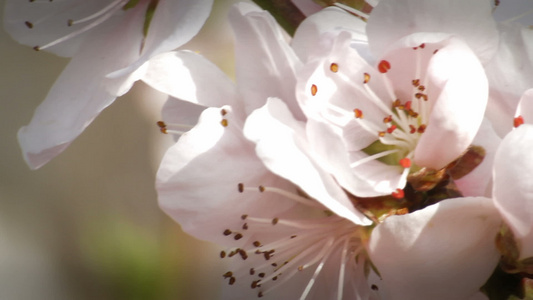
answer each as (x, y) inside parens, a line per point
(518, 121)
(314, 90)
(372, 157)
(384, 66)
(398, 194)
(405, 162)
(358, 113)
(100, 17)
(334, 67)
(112, 5)
(353, 11)
(172, 127)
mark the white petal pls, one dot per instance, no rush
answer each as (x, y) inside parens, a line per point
(282, 146)
(470, 20)
(174, 23)
(525, 107)
(479, 181)
(197, 182)
(458, 82)
(189, 76)
(513, 191)
(444, 251)
(310, 34)
(265, 63)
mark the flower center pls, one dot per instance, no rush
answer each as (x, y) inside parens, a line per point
(280, 248)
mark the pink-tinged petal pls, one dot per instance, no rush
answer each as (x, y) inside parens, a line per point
(78, 95)
(513, 191)
(181, 112)
(189, 76)
(265, 63)
(197, 182)
(510, 74)
(368, 180)
(525, 107)
(479, 181)
(458, 83)
(310, 38)
(469, 20)
(444, 251)
(174, 23)
(282, 146)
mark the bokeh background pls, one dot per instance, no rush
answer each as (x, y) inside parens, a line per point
(87, 225)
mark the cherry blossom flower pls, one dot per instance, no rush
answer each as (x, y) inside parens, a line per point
(266, 171)
(108, 41)
(387, 117)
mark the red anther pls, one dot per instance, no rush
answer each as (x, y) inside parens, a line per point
(396, 103)
(413, 128)
(518, 121)
(367, 78)
(421, 128)
(358, 113)
(405, 162)
(384, 66)
(398, 194)
(422, 45)
(314, 90)
(391, 128)
(421, 95)
(387, 119)
(407, 105)
(334, 67)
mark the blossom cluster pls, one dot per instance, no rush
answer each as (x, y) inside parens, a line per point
(378, 153)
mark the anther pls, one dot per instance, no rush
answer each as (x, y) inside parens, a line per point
(255, 283)
(29, 24)
(314, 90)
(238, 236)
(232, 280)
(405, 162)
(374, 287)
(421, 96)
(413, 128)
(358, 113)
(391, 129)
(245, 226)
(257, 244)
(240, 186)
(416, 82)
(366, 78)
(381, 133)
(222, 254)
(243, 254)
(408, 104)
(228, 274)
(275, 221)
(243, 217)
(223, 112)
(398, 194)
(261, 188)
(227, 232)
(384, 66)
(421, 128)
(518, 121)
(260, 294)
(224, 122)
(387, 119)
(252, 271)
(334, 67)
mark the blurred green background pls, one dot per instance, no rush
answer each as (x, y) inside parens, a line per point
(87, 225)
